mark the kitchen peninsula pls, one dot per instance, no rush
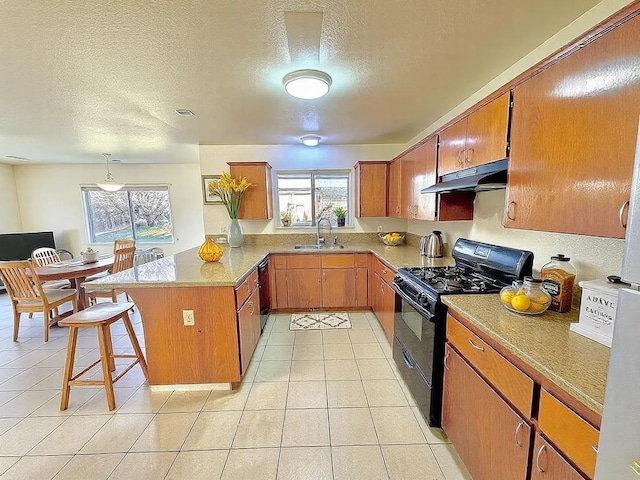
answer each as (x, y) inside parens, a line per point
(218, 345)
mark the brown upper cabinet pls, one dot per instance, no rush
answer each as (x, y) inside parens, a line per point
(372, 180)
(417, 170)
(393, 205)
(257, 201)
(480, 138)
(573, 139)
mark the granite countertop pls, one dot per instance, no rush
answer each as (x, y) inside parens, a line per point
(574, 363)
(186, 269)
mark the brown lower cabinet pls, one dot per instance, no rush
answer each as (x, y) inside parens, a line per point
(492, 440)
(383, 304)
(306, 282)
(548, 464)
(249, 328)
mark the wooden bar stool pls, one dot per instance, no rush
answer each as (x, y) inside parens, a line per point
(101, 316)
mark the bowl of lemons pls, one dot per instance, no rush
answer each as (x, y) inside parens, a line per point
(392, 238)
(527, 298)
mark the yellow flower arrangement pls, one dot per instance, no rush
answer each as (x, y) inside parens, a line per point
(230, 191)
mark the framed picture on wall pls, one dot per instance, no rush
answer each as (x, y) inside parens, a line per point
(210, 199)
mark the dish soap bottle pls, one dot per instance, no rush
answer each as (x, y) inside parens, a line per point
(558, 277)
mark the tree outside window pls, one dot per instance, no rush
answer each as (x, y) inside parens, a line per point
(142, 213)
(309, 196)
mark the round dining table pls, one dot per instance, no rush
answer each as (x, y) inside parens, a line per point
(76, 271)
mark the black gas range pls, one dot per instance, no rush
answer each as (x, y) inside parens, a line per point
(420, 320)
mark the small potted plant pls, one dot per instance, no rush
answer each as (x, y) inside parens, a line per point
(286, 216)
(340, 213)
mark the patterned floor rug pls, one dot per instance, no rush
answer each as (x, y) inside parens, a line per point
(319, 321)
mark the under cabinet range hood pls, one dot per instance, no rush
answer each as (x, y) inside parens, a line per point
(491, 176)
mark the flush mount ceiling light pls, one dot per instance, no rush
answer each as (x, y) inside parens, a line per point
(310, 140)
(109, 184)
(307, 84)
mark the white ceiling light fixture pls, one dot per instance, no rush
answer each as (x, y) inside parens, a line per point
(307, 84)
(310, 140)
(109, 184)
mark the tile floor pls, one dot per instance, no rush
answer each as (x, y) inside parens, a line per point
(313, 405)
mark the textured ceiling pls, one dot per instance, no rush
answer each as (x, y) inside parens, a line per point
(80, 78)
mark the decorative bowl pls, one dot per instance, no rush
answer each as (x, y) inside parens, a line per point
(90, 256)
(392, 238)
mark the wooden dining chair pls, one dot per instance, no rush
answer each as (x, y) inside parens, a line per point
(124, 243)
(123, 260)
(27, 294)
(45, 256)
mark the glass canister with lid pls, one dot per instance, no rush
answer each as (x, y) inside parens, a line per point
(558, 277)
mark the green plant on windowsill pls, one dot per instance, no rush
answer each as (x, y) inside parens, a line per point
(286, 216)
(341, 214)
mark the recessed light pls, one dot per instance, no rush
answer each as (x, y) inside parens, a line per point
(307, 84)
(184, 112)
(310, 140)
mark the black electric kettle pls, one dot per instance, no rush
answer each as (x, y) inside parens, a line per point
(431, 245)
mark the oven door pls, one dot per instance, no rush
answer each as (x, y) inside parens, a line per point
(416, 331)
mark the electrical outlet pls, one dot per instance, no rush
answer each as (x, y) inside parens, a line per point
(379, 228)
(188, 318)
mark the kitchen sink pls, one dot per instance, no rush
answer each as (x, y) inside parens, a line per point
(318, 247)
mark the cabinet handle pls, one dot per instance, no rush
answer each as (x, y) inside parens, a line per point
(459, 159)
(470, 151)
(594, 448)
(251, 308)
(515, 436)
(384, 271)
(621, 214)
(509, 216)
(476, 346)
(324, 277)
(398, 209)
(542, 449)
(446, 357)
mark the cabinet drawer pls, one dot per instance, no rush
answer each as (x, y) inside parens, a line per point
(386, 273)
(246, 287)
(502, 374)
(303, 261)
(278, 261)
(338, 260)
(569, 432)
(362, 259)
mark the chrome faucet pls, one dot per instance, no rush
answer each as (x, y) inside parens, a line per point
(319, 239)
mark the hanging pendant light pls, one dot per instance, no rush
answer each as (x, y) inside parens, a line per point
(109, 184)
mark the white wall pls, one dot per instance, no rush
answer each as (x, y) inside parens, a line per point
(50, 199)
(594, 257)
(214, 158)
(9, 209)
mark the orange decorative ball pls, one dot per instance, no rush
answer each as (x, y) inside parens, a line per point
(210, 251)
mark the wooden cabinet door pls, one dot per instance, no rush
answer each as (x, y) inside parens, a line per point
(362, 286)
(387, 308)
(338, 287)
(549, 465)
(304, 288)
(425, 176)
(573, 138)
(248, 329)
(371, 189)
(487, 132)
(257, 201)
(394, 207)
(452, 147)
(407, 168)
(491, 439)
(279, 295)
